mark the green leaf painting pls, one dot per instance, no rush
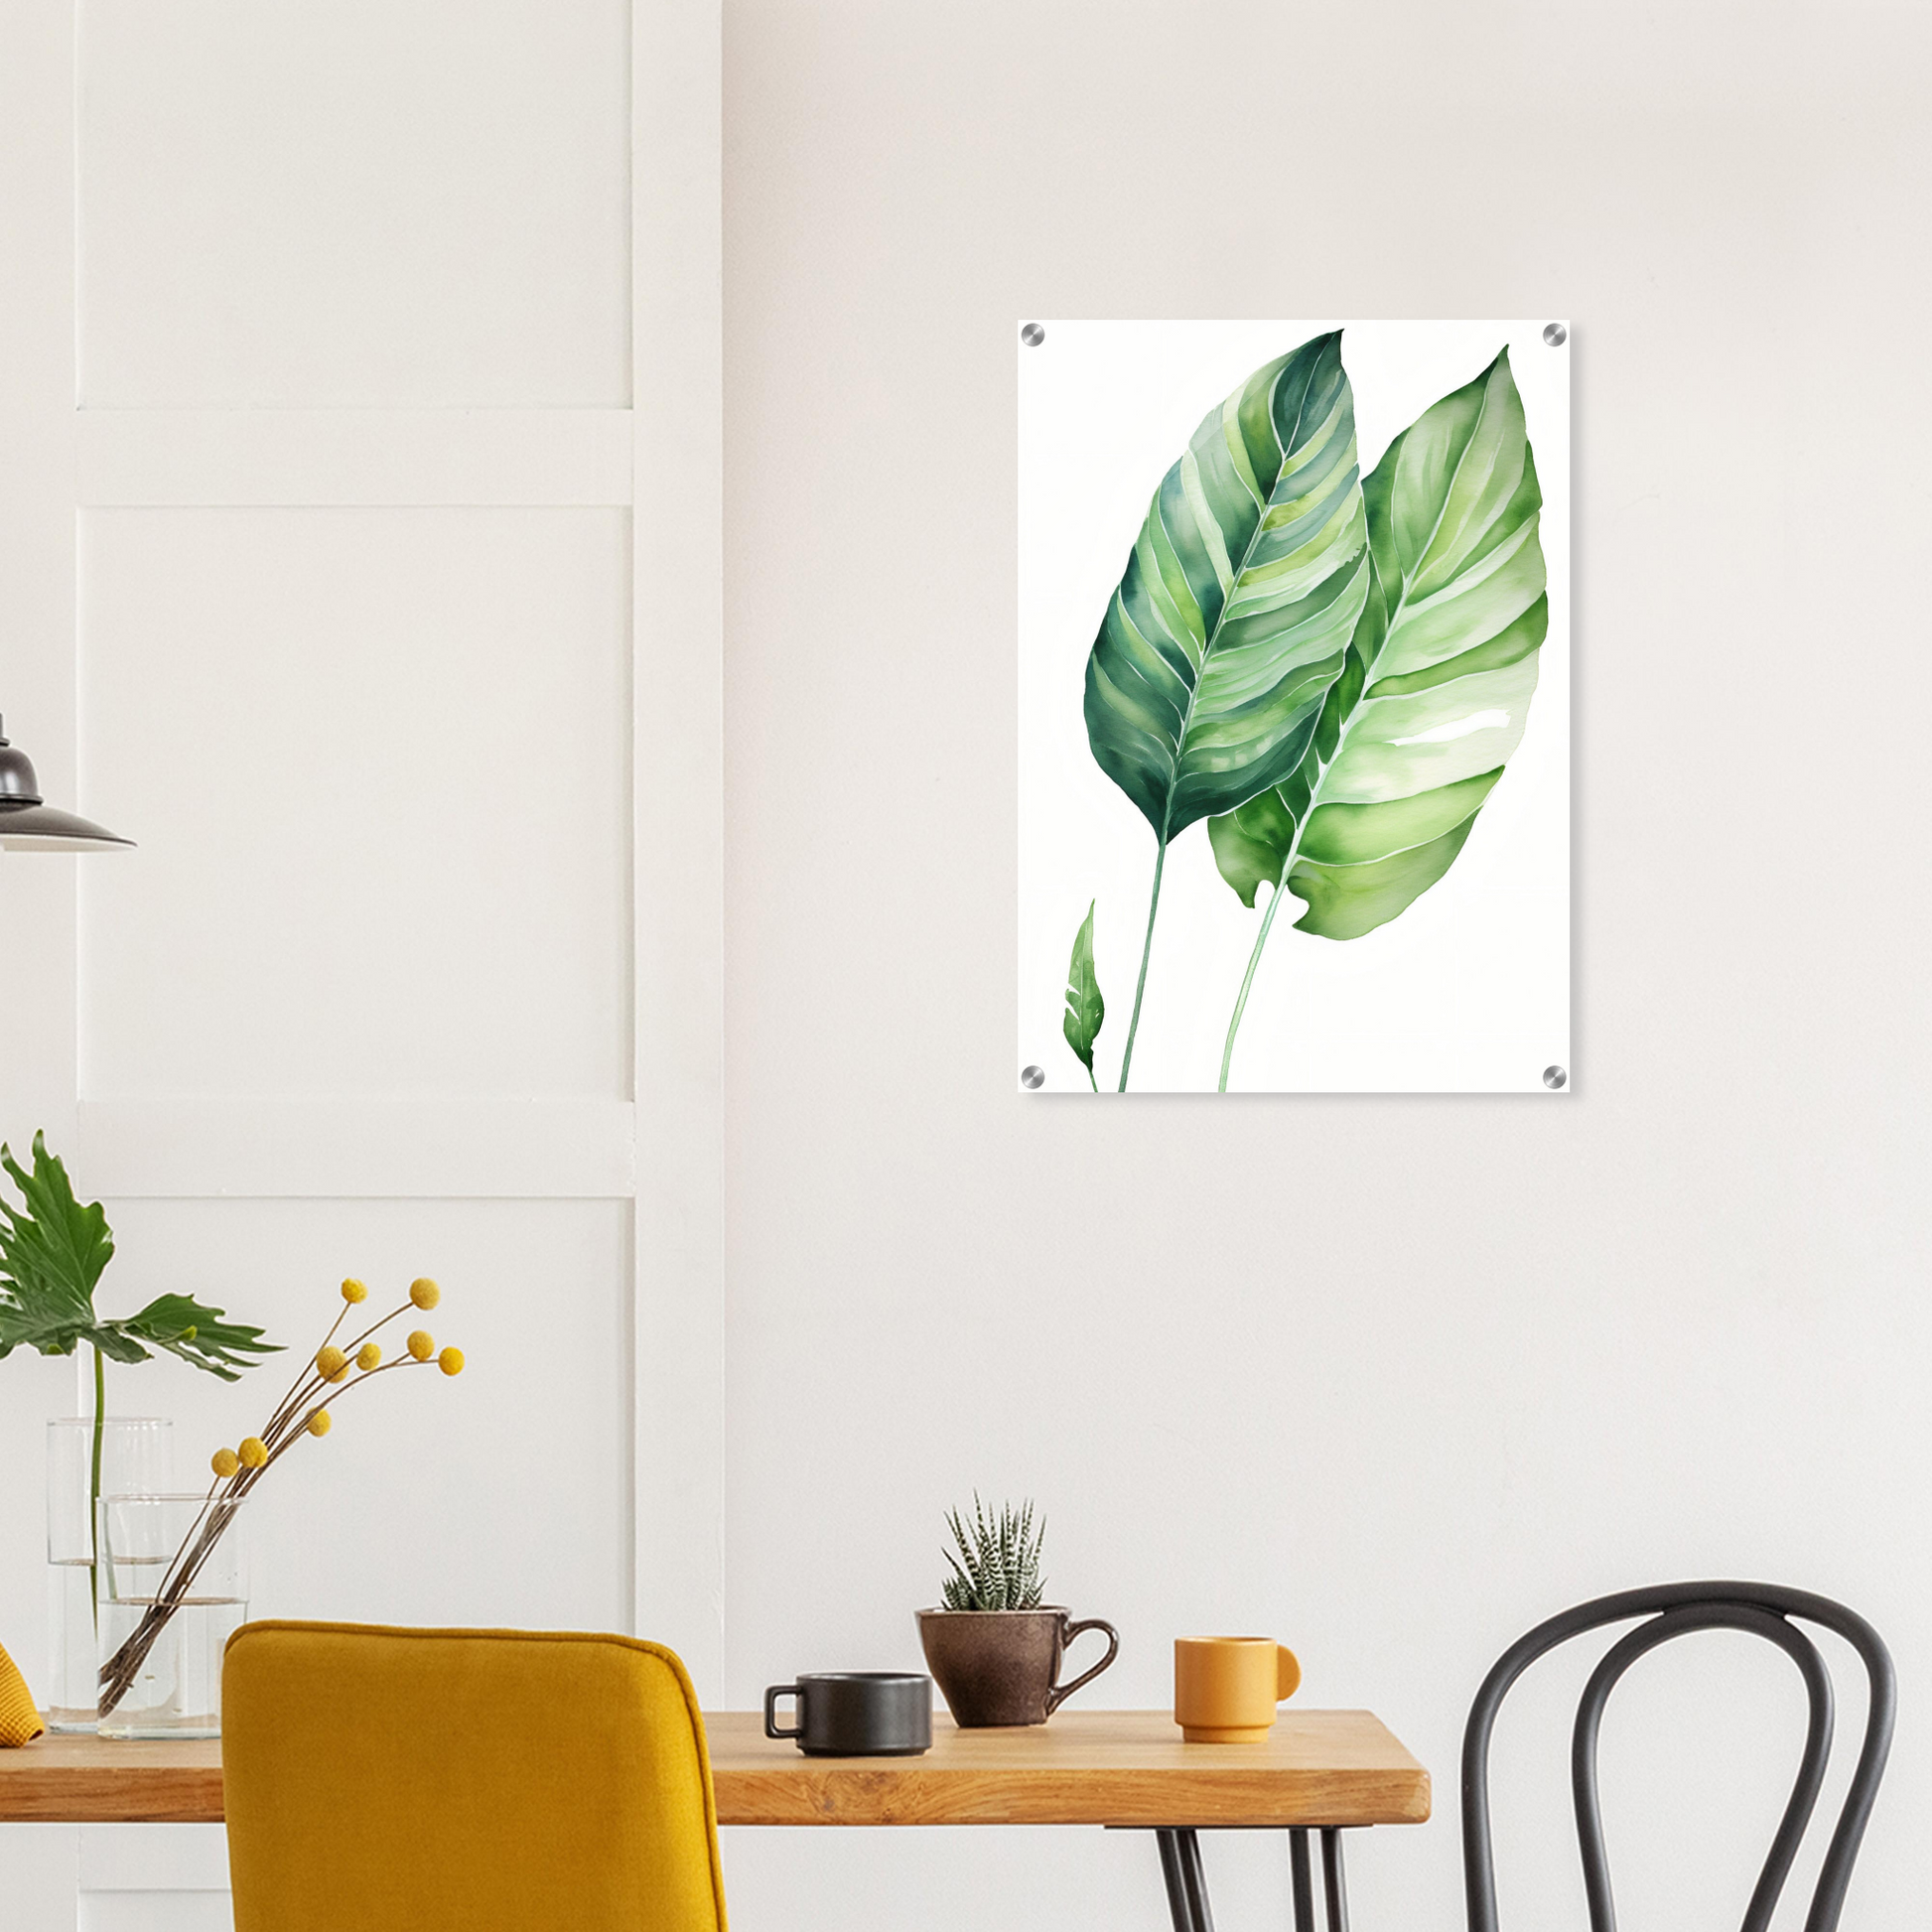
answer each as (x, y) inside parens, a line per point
(1085, 1010)
(1333, 674)
(1417, 730)
(1235, 611)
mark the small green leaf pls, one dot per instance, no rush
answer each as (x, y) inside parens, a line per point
(998, 1563)
(113, 1342)
(1085, 1010)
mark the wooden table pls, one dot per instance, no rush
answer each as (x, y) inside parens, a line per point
(1319, 1770)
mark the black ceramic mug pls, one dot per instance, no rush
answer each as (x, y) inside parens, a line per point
(855, 1713)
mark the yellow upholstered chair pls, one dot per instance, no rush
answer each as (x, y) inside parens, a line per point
(382, 1780)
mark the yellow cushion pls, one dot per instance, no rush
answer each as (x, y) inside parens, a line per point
(20, 1722)
(473, 1779)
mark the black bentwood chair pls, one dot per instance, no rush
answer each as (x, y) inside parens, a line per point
(1761, 1609)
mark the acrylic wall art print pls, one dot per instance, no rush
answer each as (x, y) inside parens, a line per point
(1295, 706)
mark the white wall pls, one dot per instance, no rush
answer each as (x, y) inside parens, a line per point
(1390, 1377)
(1393, 1377)
(355, 546)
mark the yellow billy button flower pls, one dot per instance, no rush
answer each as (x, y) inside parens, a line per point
(254, 1452)
(355, 1291)
(318, 1423)
(224, 1463)
(422, 1344)
(424, 1291)
(369, 1356)
(330, 1363)
(450, 1361)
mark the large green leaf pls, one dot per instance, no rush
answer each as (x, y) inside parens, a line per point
(1431, 703)
(1085, 1010)
(51, 1253)
(1234, 613)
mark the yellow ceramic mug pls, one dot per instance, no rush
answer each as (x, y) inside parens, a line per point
(1226, 1689)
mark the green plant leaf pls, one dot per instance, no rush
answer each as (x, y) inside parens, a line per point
(1085, 1010)
(197, 1335)
(1432, 702)
(52, 1250)
(46, 1333)
(1234, 614)
(998, 1563)
(1441, 680)
(1235, 609)
(51, 1253)
(113, 1342)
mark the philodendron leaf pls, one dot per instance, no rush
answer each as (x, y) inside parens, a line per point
(1417, 730)
(1234, 614)
(1085, 1010)
(197, 1333)
(51, 1253)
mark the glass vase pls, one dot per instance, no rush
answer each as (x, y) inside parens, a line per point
(174, 1588)
(134, 1455)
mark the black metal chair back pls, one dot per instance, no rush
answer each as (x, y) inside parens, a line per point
(1761, 1609)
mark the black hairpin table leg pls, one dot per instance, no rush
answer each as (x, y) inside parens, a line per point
(1302, 1879)
(1332, 1879)
(1181, 1867)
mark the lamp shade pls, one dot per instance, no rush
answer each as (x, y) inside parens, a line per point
(28, 824)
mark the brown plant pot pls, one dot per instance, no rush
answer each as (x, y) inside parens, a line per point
(1000, 1667)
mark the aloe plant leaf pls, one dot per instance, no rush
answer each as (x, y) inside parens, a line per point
(1235, 611)
(1417, 730)
(1085, 1010)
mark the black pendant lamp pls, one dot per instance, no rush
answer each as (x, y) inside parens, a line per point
(27, 825)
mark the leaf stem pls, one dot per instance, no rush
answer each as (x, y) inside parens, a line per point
(1261, 939)
(93, 1484)
(1247, 980)
(1140, 986)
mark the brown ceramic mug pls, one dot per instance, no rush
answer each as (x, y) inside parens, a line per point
(1002, 1667)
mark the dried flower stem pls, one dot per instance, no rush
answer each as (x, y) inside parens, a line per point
(289, 1419)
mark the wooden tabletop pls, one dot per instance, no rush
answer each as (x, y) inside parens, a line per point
(1086, 1767)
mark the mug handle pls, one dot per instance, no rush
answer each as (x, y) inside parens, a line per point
(1061, 1692)
(771, 1698)
(1288, 1673)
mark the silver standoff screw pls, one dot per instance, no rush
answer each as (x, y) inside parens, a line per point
(1556, 334)
(1032, 335)
(1555, 1078)
(1032, 1077)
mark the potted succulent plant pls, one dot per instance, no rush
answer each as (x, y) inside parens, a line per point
(994, 1646)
